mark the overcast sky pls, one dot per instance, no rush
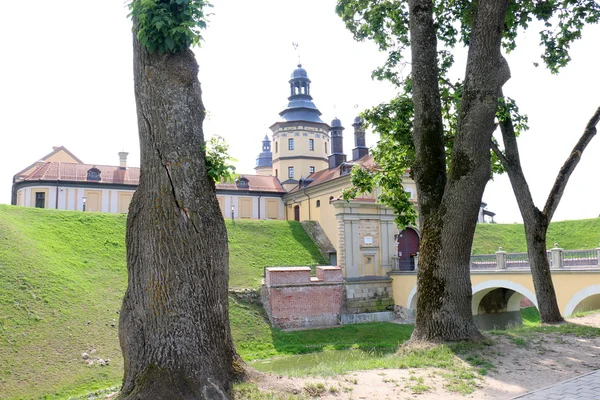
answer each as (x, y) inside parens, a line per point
(66, 79)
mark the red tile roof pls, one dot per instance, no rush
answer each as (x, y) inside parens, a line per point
(52, 171)
(330, 174)
(256, 183)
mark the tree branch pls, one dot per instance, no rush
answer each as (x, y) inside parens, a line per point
(499, 153)
(512, 164)
(569, 166)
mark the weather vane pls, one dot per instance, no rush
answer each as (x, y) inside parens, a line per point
(295, 45)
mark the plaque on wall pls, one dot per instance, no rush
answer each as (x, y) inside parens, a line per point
(368, 239)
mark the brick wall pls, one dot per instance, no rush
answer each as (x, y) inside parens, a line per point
(294, 299)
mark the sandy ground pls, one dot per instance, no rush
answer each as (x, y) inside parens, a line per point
(543, 360)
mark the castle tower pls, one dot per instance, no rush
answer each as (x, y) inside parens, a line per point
(337, 156)
(301, 138)
(360, 149)
(264, 161)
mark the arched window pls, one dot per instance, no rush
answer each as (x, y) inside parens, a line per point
(318, 203)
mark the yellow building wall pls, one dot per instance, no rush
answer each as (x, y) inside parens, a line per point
(93, 200)
(221, 201)
(272, 208)
(61, 156)
(566, 284)
(123, 202)
(301, 135)
(245, 207)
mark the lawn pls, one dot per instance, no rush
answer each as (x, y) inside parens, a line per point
(571, 235)
(63, 275)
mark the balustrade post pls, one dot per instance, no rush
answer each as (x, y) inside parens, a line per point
(597, 255)
(416, 258)
(500, 259)
(556, 253)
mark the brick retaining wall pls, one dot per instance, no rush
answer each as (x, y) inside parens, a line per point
(294, 299)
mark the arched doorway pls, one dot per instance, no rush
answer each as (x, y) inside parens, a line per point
(408, 247)
(297, 213)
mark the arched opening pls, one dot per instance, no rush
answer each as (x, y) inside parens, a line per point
(408, 247)
(296, 213)
(586, 299)
(591, 303)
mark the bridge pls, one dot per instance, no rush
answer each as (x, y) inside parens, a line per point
(501, 281)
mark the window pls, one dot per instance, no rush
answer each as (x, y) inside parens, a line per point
(276, 146)
(290, 172)
(276, 173)
(311, 144)
(40, 200)
(318, 203)
(326, 152)
(311, 170)
(290, 144)
(93, 174)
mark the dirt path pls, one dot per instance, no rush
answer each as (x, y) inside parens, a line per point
(519, 367)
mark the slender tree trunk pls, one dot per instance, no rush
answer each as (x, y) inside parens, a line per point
(174, 323)
(444, 286)
(540, 269)
(535, 221)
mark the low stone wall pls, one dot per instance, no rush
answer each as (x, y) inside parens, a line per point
(294, 299)
(368, 295)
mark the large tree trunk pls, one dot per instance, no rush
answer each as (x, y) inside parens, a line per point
(444, 286)
(174, 324)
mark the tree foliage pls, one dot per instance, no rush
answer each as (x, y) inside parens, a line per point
(168, 25)
(218, 161)
(386, 23)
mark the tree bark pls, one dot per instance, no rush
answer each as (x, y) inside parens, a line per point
(536, 222)
(174, 323)
(444, 286)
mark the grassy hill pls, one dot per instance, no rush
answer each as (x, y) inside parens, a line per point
(63, 274)
(571, 235)
(62, 278)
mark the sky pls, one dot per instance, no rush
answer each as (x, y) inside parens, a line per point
(66, 80)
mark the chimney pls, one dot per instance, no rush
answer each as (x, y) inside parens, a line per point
(361, 149)
(337, 156)
(123, 160)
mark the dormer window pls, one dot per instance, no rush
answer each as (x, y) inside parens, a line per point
(93, 174)
(242, 183)
(345, 168)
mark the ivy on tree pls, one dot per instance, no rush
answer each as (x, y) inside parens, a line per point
(169, 25)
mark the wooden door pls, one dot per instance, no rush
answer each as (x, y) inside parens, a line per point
(408, 247)
(296, 213)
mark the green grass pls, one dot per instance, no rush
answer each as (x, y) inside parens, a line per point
(254, 245)
(63, 275)
(580, 234)
(532, 325)
(62, 278)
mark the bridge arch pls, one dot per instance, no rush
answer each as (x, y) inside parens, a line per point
(411, 301)
(579, 297)
(483, 288)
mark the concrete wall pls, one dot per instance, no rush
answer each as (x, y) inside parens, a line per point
(295, 300)
(364, 296)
